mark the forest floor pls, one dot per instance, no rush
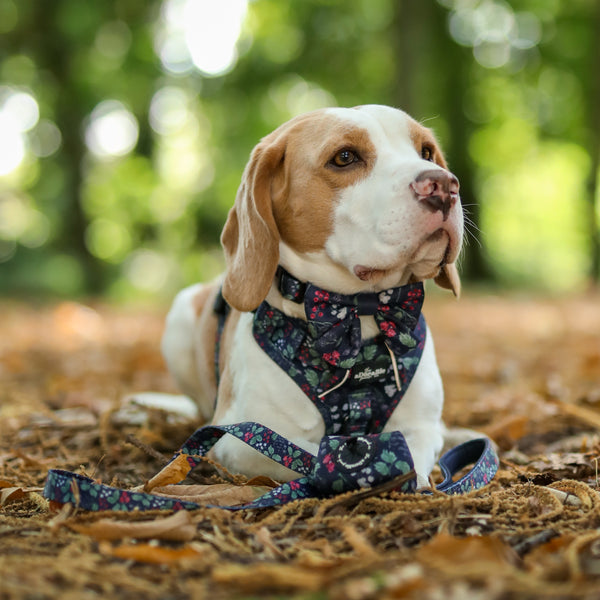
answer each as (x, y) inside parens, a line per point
(524, 370)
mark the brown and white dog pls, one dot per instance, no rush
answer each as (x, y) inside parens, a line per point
(352, 200)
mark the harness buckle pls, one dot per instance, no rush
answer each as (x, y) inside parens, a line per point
(346, 463)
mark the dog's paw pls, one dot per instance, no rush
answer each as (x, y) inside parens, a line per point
(134, 408)
(423, 483)
(454, 436)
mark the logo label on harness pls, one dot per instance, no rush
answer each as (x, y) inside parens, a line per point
(370, 371)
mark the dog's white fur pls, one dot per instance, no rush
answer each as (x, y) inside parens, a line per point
(326, 225)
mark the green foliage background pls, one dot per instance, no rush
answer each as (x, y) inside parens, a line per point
(512, 89)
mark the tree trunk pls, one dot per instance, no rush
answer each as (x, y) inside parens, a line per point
(475, 265)
(71, 109)
(593, 183)
(408, 19)
(424, 46)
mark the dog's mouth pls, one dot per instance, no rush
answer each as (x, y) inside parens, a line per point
(441, 236)
(428, 253)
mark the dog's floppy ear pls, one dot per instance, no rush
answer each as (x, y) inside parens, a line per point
(449, 278)
(250, 236)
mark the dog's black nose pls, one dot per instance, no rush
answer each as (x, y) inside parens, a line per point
(436, 190)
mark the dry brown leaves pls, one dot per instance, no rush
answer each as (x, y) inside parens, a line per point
(526, 371)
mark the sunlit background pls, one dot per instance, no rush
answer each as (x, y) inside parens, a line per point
(125, 125)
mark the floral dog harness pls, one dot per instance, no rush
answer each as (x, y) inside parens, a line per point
(355, 386)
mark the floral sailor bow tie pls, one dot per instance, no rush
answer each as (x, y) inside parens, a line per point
(334, 319)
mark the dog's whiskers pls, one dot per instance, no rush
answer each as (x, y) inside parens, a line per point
(471, 228)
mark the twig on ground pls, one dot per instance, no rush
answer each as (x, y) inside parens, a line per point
(528, 544)
(161, 458)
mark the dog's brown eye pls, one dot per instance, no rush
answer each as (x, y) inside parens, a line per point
(344, 158)
(427, 153)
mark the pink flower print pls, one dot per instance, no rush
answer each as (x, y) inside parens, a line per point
(294, 485)
(328, 462)
(287, 460)
(303, 355)
(248, 436)
(388, 328)
(332, 357)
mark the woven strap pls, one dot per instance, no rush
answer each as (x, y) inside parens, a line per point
(478, 452)
(221, 309)
(342, 464)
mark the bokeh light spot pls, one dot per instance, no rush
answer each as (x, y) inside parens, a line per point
(169, 111)
(112, 130)
(147, 270)
(46, 139)
(201, 34)
(107, 240)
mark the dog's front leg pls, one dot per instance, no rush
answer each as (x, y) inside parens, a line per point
(419, 415)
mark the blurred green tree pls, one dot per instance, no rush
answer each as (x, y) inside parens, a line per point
(126, 125)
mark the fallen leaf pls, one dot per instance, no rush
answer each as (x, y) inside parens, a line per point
(584, 556)
(262, 481)
(587, 415)
(56, 507)
(176, 528)
(566, 465)
(148, 553)
(218, 494)
(261, 576)
(508, 430)
(11, 494)
(548, 560)
(174, 472)
(471, 556)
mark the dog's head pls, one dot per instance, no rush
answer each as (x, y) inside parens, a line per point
(350, 199)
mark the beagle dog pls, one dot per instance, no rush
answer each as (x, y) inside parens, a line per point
(352, 200)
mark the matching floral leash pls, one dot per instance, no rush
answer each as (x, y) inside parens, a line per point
(342, 464)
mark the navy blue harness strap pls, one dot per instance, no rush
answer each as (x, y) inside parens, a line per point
(221, 310)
